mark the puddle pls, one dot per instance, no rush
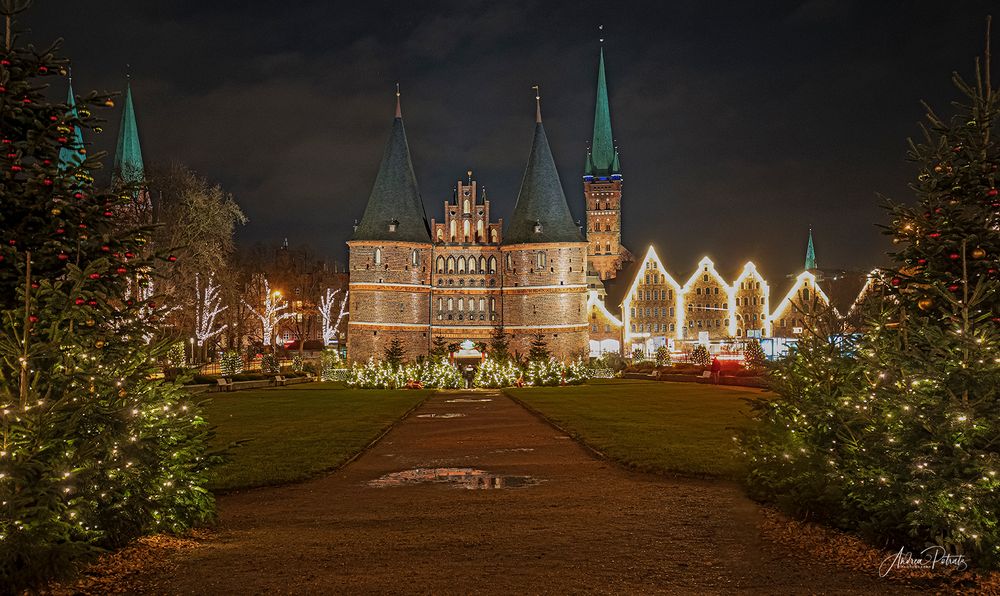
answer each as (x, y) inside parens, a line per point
(465, 400)
(513, 450)
(468, 478)
(448, 415)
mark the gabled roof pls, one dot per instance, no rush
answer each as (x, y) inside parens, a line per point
(704, 262)
(395, 197)
(602, 159)
(541, 201)
(74, 153)
(128, 156)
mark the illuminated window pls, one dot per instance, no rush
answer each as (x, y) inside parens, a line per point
(378, 256)
(439, 265)
(416, 258)
(540, 259)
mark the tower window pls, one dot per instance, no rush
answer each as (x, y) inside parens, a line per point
(416, 258)
(378, 256)
(540, 259)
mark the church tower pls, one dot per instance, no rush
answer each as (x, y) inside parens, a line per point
(389, 256)
(602, 190)
(544, 260)
(128, 155)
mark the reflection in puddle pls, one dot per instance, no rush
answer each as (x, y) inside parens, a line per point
(465, 400)
(448, 415)
(468, 478)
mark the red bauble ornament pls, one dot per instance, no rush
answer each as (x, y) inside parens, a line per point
(62, 140)
(33, 319)
(992, 192)
(171, 258)
(954, 256)
(47, 182)
(34, 285)
(108, 214)
(953, 288)
(934, 235)
(83, 226)
(60, 231)
(43, 68)
(95, 276)
(78, 195)
(121, 270)
(63, 256)
(129, 255)
(106, 248)
(5, 62)
(12, 242)
(3, 89)
(92, 302)
(921, 261)
(15, 168)
(152, 304)
(896, 281)
(79, 301)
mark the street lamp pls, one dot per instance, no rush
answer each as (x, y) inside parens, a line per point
(192, 350)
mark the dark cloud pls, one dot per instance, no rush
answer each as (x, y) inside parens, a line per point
(740, 124)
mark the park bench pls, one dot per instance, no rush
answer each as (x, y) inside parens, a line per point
(225, 383)
(279, 381)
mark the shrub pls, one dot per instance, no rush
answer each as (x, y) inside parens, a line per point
(231, 363)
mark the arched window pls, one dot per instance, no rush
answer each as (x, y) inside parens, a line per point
(540, 259)
(597, 226)
(451, 264)
(439, 265)
(482, 304)
(493, 304)
(466, 208)
(378, 256)
(493, 235)
(465, 230)
(479, 231)
(415, 259)
(440, 303)
(461, 265)
(461, 304)
(440, 234)
(451, 303)
(452, 225)
(472, 304)
(482, 265)
(607, 248)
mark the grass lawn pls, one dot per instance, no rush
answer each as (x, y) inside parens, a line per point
(665, 427)
(299, 431)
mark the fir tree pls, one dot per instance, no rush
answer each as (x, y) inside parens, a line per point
(895, 433)
(394, 353)
(499, 345)
(95, 450)
(754, 358)
(662, 356)
(539, 348)
(701, 356)
(439, 348)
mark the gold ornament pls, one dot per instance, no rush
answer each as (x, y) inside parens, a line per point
(978, 253)
(90, 322)
(99, 343)
(925, 303)
(56, 211)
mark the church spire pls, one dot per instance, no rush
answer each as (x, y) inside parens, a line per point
(810, 252)
(541, 213)
(73, 154)
(603, 159)
(395, 210)
(128, 156)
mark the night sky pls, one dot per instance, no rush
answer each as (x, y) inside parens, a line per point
(740, 124)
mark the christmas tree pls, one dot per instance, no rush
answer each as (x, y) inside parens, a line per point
(539, 351)
(754, 358)
(95, 450)
(894, 433)
(439, 348)
(394, 353)
(499, 345)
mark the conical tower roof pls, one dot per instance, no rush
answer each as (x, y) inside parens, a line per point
(395, 210)
(128, 156)
(603, 158)
(810, 253)
(541, 213)
(73, 154)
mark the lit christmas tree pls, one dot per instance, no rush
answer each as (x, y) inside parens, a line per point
(894, 433)
(96, 451)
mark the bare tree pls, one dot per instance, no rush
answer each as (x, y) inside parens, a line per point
(208, 307)
(270, 312)
(326, 305)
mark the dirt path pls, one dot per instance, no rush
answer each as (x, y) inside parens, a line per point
(588, 526)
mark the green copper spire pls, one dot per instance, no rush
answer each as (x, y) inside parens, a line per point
(541, 213)
(74, 154)
(810, 252)
(128, 156)
(395, 210)
(603, 159)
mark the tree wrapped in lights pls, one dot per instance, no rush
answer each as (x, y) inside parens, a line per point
(95, 450)
(331, 324)
(231, 363)
(271, 312)
(894, 433)
(754, 357)
(208, 307)
(495, 373)
(701, 356)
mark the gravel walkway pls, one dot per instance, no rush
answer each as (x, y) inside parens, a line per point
(585, 526)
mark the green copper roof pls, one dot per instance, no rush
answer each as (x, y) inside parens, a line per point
(810, 252)
(603, 160)
(395, 197)
(128, 156)
(73, 155)
(541, 200)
